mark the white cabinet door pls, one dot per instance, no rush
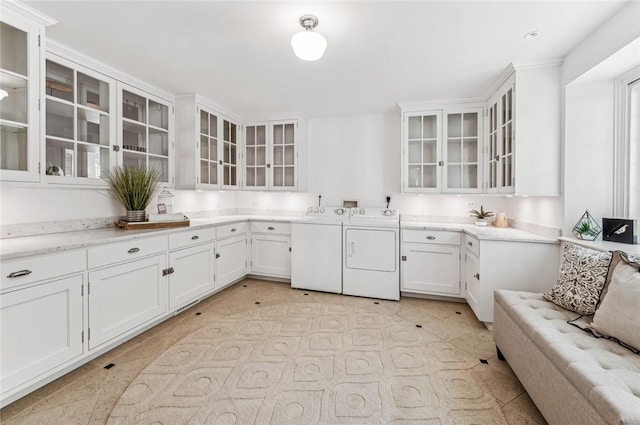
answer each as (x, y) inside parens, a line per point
(41, 329)
(431, 269)
(422, 140)
(271, 255)
(231, 260)
(472, 283)
(125, 296)
(192, 274)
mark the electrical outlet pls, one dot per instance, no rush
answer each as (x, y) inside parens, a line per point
(471, 204)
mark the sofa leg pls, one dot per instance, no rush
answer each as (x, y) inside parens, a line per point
(500, 355)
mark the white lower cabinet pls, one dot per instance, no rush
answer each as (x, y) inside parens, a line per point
(472, 281)
(231, 260)
(271, 255)
(191, 274)
(41, 330)
(431, 262)
(125, 296)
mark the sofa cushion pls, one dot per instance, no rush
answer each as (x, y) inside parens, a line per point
(605, 373)
(583, 272)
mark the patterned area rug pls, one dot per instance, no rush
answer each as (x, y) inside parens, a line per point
(309, 364)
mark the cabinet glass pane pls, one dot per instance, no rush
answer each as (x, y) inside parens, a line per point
(15, 106)
(13, 49)
(59, 122)
(232, 135)
(204, 147)
(470, 150)
(162, 165)
(158, 115)
(134, 137)
(251, 176)
(204, 122)
(158, 142)
(233, 155)
(429, 149)
(225, 130)
(251, 156)
(470, 176)
(227, 153)
(429, 127)
(470, 125)
(429, 176)
(261, 135)
(93, 161)
(454, 125)
(289, 155)
(454, 151)
(134, 107)
(93, 127)
(278, 155)
(261, 155)
(278, 176)
(213, 173)
(213, 126)
(415, 152)
(289, 134)
(415, 127)
(251, 136)
(261, 176)
(454, 178)
(278, 135)
(506, 171)
(213, 149)
(59, 81)
(13, 148)
(93, 92)
(60, 158)
(204, 172)
(508, 144)
(289, 179)
(134, 159)
(415, 176)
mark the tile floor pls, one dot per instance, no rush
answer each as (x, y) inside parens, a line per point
(88, 394)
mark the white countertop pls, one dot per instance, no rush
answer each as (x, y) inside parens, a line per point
(606, 246)
(493, 233)
(11, 248)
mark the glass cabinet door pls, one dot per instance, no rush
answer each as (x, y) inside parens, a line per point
(283, 154)
(255, 169)
(463, 152)
(229, 154)
(19, 53)
(422, 151)
(493, 158)
(79, 126)
(146, 123)
(507, 129)
(209, 146)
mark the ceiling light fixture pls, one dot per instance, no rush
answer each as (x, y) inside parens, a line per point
(308, 45)
(3, 94)
(530, 35)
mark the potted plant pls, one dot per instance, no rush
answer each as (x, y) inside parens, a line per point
(586, 231)
(481, 216)
(134, 187)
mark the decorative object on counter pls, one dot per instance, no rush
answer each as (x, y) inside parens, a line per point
(481, 216)
(586, 228)
(501, 220)
(134, 187)
(620, 230)
(165, 201)
(149, 225)
(54, 170)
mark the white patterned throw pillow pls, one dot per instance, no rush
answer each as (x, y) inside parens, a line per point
(583, 273)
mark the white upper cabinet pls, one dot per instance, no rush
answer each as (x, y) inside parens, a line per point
(523, 132)
(21, 30)
(270, 160)
(442, 150)
(208, 148)
(80, 125)
(146, 131)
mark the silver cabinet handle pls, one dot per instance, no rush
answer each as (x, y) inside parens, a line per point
(431, 238)
(470, 243)
(19, 273)
(195, 237)
(133, 250)
(477, 276)
(271, 228)
(217, 255)
(233, 230)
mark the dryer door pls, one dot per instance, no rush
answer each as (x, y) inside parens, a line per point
(371, 249)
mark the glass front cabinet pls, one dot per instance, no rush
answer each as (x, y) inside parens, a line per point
(442, 150)
(270, 155)
(500, 120)
(20, 89)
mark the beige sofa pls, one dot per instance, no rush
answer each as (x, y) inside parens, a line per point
(573, 377)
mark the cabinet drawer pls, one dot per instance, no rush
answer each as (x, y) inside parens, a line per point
(192, 237)
(122, 251)
(270, 227)
(32, 269)
(431, 236)
(472, 244)
(232, 229)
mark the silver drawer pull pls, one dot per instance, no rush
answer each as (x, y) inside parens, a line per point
(477, 276)
(431, 238)
(195, 237)
(19, 273)
(217, 255)
(470, 243)
(133, 250)
(233, 230)
(271, 228)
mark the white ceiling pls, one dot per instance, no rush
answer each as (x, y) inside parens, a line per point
(238, 54)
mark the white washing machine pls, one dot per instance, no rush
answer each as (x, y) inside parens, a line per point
(316, 249)
(371, 245)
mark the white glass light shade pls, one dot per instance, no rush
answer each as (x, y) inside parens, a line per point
(308, 45)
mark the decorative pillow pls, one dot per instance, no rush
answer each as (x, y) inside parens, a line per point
(618, 314)
(583, 273)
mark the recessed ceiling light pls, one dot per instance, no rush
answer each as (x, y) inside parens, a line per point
(530, 35)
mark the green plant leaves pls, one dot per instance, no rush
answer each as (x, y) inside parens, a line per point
(133, 187)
